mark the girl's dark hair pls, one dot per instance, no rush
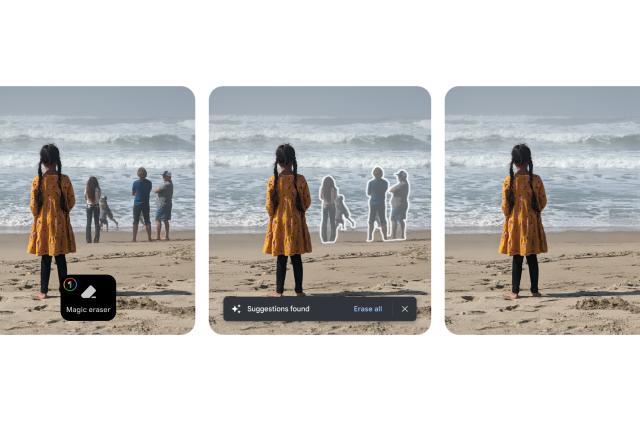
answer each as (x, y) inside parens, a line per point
(285, 156)
(521, 156)
(328, 184)
(50, 155)
(92, 185)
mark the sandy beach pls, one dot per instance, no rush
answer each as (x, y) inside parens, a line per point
(589, 283)
(155, 284)
(351, 267)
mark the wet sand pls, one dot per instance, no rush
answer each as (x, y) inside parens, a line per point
(155, 284)
(590, 282)
(351, 267)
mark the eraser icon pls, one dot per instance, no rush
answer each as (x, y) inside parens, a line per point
(88, 293)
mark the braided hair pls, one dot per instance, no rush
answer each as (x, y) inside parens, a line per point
(50, 155)
(521, 155)
(285, 156)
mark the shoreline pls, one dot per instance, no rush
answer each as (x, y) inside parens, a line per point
(588, 281)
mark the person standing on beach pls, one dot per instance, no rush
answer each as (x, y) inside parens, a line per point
(165, 204)
(52, 198)
(141, 190)
(399, 206)
(328, 195)
(288, 199)
(92, 195)
(377, 192)
(523, 199)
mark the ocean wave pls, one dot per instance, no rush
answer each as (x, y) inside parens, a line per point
(625, 142)
(359, 161)
(394, 141)
(551, 129)
(28, 131)
(267, 131)
(157, 141)
(97, 140)
(103, 161)
(564, 162)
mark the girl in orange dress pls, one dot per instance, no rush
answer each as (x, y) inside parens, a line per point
(52, 199)
(523, 199)
(287, 235)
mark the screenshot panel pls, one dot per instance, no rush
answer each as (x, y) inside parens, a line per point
(320, 210)
(542, 210)
(97, 210)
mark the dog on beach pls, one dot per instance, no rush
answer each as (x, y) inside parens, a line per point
(106, 214)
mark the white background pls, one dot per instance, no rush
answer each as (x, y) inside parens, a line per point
(202, 44)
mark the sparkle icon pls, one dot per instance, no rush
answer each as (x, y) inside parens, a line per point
(236, 309)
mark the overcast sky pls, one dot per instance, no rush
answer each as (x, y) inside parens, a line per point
(549, 101)
(132, 102)
(367, 102)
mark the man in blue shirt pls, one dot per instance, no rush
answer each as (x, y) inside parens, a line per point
(141, 190)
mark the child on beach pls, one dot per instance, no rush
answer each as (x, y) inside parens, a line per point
(52, 199)
(92, 195)
(288, 199)
(523, 199)
(343, 214)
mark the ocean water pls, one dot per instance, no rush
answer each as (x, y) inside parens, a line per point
(242, 153)
(110, 149)
(590, 168)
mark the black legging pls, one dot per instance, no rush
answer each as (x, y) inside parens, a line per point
(93, 213)
(328, 218)
(45, 271)
(516, 274)
(281, 272)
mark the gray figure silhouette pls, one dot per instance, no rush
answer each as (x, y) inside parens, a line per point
(399, 206)
(377, 192)
(328, 196)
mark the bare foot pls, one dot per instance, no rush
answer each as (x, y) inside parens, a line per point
(275, 294)
(511, 296)
(536, 294)
(300, 294)
(41, 296)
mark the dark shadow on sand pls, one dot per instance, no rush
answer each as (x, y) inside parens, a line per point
(151, 293)
(579, 294)
(368, 293)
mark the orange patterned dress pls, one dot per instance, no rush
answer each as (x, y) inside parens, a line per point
(51, 232)
(522, 232)
(287, 233)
